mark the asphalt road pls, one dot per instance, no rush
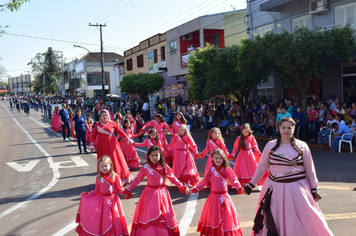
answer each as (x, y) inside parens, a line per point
(42, 177)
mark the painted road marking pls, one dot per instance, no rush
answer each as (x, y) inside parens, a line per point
(23, 167)
(77, 160)
(54, 180)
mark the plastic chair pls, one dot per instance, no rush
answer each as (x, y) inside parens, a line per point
(346, 141)
(331, 133)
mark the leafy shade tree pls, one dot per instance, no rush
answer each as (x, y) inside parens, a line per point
(143, 84)
(12, 5)
(46, 70)
(302, 56)
(234, 70)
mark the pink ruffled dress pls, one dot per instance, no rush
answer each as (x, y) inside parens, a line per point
(159, 127)
(105, 142)
(100, 211)
(56, 122)
(184, 167)
(219, 216)
(154, 213)
(211, 145)
(129, 150)
(247, 160)
(291, 209)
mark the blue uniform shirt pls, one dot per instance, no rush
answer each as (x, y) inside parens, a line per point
(79, 123)
(64, 115)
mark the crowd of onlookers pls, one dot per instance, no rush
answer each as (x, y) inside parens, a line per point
(263, 114)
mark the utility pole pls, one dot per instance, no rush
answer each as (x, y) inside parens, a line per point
(44, 84)
(102, 57)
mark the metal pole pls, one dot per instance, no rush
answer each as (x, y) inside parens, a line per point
(44, 83)
(102, 63)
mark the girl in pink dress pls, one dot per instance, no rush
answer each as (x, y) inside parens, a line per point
(88, 127)
(129, 150)
(214, 141)
(159, 124)
(56, 122)
(154, 214)
(103, 134)
(100, 211)
(248, 157)
(131, 119)
(152, 140)
(288, 199)
(179, 120)
(184, 167)
(219, 216)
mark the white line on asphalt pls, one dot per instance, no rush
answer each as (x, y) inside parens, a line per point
(55, 170)
(66, 229)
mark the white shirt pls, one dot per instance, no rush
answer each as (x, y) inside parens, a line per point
(145, 106)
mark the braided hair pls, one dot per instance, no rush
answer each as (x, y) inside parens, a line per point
(292, 139)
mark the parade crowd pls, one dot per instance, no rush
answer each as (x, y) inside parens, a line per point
(288, 201)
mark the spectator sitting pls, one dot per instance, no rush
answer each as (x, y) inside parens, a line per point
(255, 122)
(327, 130)
(352, 124)
(234, 128)
(342, 128)
(224, 125)
(261, 128)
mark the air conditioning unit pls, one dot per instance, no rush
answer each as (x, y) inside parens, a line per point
(318, 6)
(187, 37)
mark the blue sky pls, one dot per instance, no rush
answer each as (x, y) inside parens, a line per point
(127, 23)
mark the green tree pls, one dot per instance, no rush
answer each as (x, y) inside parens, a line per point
(234, 70)
(143, 84)
(12, 5)
(46, 70)
(302, 56)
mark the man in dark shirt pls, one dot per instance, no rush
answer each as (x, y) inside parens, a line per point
(64, 118)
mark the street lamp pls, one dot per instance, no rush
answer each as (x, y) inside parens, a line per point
(102, 69)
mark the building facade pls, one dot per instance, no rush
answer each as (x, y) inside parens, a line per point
(82, 77)
(168, 54)
(20, 85)
(271, 15)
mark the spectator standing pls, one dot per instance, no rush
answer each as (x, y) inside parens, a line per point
(146, 111)
(280, 115)
(300, 124)
(312, 118)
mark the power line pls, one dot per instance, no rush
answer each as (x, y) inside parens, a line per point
(49, 39)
